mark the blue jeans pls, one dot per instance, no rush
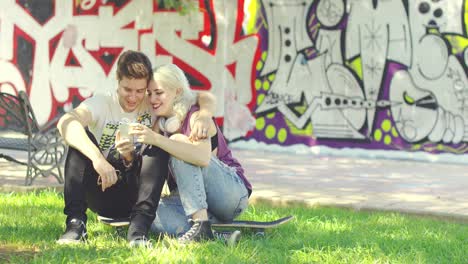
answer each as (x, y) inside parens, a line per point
(216, 188)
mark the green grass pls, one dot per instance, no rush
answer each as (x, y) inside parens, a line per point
(30, 223)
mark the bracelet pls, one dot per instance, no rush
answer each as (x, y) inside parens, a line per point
(127, 164)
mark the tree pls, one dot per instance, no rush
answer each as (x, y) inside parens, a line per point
(182, 6)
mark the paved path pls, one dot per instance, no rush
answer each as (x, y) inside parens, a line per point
(416, 187)
(405, 186)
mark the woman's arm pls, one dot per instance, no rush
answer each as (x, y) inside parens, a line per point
(207, 103)
(178, 145)
(197, 153)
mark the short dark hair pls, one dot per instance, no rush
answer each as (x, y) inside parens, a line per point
(134, 65)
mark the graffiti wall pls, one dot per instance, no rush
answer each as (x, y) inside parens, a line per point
(362, 74)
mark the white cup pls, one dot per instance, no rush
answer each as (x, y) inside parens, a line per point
(124, 128)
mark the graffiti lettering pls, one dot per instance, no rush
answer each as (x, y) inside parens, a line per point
(374, 74)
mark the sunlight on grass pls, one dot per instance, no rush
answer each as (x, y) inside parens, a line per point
(30, 224)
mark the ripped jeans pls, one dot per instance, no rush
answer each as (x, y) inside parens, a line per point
(216, 187)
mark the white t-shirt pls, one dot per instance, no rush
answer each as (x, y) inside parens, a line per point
(107, 113)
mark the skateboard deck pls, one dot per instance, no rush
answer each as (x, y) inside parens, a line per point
(230, 238)
(256, 226)
(117, 222)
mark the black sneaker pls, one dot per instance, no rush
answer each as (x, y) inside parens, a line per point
(230, 238)
(200, 230)
(75, 232)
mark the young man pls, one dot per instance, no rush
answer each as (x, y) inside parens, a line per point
(96, 177)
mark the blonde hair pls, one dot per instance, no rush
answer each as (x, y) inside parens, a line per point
(172, 77)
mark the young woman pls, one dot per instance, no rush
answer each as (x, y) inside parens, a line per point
(207, 184)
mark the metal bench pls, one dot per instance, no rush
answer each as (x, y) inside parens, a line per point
(19, 131)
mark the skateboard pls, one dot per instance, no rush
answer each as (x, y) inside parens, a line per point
(116, 222)
(256, 226)
(230, 238)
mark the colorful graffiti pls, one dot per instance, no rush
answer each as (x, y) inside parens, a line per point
(61, 52)
(366, 74)
(390, 77)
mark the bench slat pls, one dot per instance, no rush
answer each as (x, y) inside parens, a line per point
(14, 143)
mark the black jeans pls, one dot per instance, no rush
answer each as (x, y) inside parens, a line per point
(136, 195)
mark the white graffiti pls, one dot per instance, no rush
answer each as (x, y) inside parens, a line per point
(287, 36)
(330, 12)
(322, 83)
(430, 101)
(51, 78)
(328, 43)
(445, 16)
(11, 80)
(337, 109)
(378, 34)
(434, 91)
(418, 115)
(240, 53)
(427, 96)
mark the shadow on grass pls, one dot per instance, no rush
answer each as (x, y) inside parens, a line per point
(10, 253)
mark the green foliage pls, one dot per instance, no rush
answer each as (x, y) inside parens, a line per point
(182, 6)
(30, 224)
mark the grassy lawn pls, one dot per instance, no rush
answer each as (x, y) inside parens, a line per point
(30, 223)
